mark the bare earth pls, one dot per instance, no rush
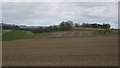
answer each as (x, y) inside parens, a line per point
(66, 49)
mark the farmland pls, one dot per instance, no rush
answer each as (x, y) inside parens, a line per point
(16, 34)
(9, 35)
(64, 48)
(19, 35)
(60, 33)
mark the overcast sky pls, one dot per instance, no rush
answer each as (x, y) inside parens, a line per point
(50, 13)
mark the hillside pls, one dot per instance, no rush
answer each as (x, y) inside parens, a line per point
(16, 34)
(9, 35)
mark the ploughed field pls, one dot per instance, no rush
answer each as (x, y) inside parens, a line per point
(65, 34)
(67, 48)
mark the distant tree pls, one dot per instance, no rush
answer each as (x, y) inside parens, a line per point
(107, 26)
(95, 25)
(11, 27)
(77, 25)
(83, 25)
(66, 25)
(56, 28)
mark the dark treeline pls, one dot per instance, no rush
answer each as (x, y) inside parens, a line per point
(63, 26)
(12, 27)
(104, 26)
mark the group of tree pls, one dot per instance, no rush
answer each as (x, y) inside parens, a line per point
(95, 25)
(9, 26)
(63, 26)
(69, 25)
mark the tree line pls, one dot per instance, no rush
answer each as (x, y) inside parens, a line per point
(63, 26)
(95, 25)
(11, 27)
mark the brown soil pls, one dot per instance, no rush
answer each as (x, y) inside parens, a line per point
(67, 51)
(75, 33)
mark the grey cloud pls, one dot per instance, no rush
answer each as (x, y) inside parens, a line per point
(48, 13)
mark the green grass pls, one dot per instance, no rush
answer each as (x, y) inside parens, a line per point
(16, 34)
(19, 34)
(106, 32)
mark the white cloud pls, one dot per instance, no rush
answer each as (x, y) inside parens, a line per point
(60, 0)
(49, 13)
(103, 11)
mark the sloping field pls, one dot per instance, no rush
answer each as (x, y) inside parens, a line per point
(16, 34)
(74, 33)
(70, 51)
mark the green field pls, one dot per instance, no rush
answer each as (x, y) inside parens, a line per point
(19, 34)
(106, 32)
